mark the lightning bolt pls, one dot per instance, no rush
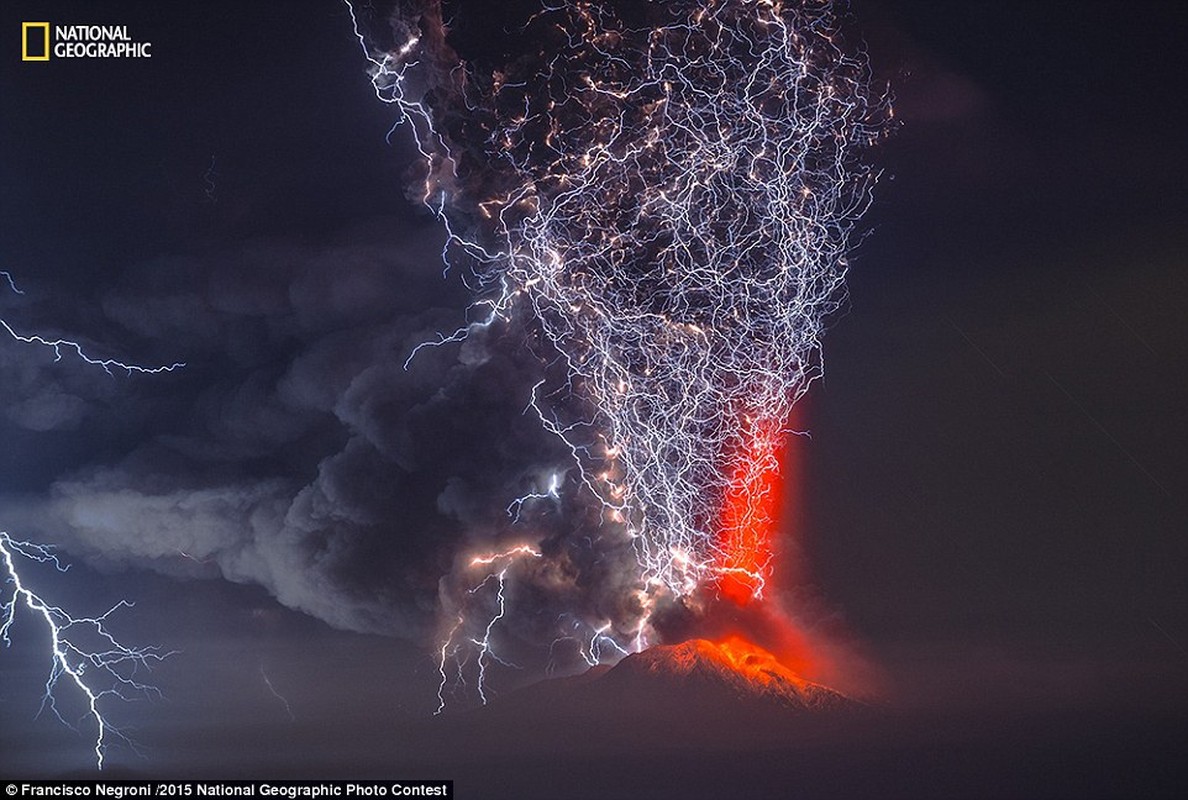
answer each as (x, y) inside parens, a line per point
(458, 646)
(208, 178)
(552, 492)
(11, 283)
(599, 639)
(83, 652)
(272, 690)
(60, 345)
(86, 667)
(107, 364)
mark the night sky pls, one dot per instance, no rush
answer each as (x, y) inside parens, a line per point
(989, 515)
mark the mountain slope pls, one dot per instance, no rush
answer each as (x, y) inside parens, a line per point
(733, 671)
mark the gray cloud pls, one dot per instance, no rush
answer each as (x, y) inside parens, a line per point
(296, 452)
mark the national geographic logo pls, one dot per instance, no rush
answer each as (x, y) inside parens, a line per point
(35, 41)
(40, 40)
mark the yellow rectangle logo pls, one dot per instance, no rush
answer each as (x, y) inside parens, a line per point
(35, 41)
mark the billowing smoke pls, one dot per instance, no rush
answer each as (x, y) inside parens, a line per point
(294, 451)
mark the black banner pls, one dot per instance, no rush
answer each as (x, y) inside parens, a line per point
(260, 790)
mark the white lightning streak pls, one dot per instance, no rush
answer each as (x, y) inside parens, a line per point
(457, 645)
(208, 178)
(551, 492)
(58, 345)
(84, 666)
(110, 662)
(276, 694)
(11, 282)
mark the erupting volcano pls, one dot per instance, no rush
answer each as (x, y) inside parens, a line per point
(659, 197)
(734, 625)
(733, 668)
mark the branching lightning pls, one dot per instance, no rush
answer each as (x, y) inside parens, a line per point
(60, 345)
(670, 202)
(551, 492)
(82, 649)
(472, 631)
(84, 652)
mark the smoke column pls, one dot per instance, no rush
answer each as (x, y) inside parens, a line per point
(667, 192)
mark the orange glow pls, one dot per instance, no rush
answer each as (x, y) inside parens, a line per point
(750, 513)
(753, 629)
(760, 516)
(747, 522)
(754, 662)
(510, 553)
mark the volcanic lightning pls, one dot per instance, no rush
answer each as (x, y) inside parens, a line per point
(58, 345)
(83, 651)
(466, 634)
(666, 193)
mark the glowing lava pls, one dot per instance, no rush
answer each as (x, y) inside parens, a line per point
(753, 524)
(748, 519)
(745, 670)
(752, 661)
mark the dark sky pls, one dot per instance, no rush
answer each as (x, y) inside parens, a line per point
(994, 492)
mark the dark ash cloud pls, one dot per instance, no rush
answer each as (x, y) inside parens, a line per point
(295, 451)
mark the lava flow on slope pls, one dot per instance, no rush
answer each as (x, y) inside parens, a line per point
(745, 670)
